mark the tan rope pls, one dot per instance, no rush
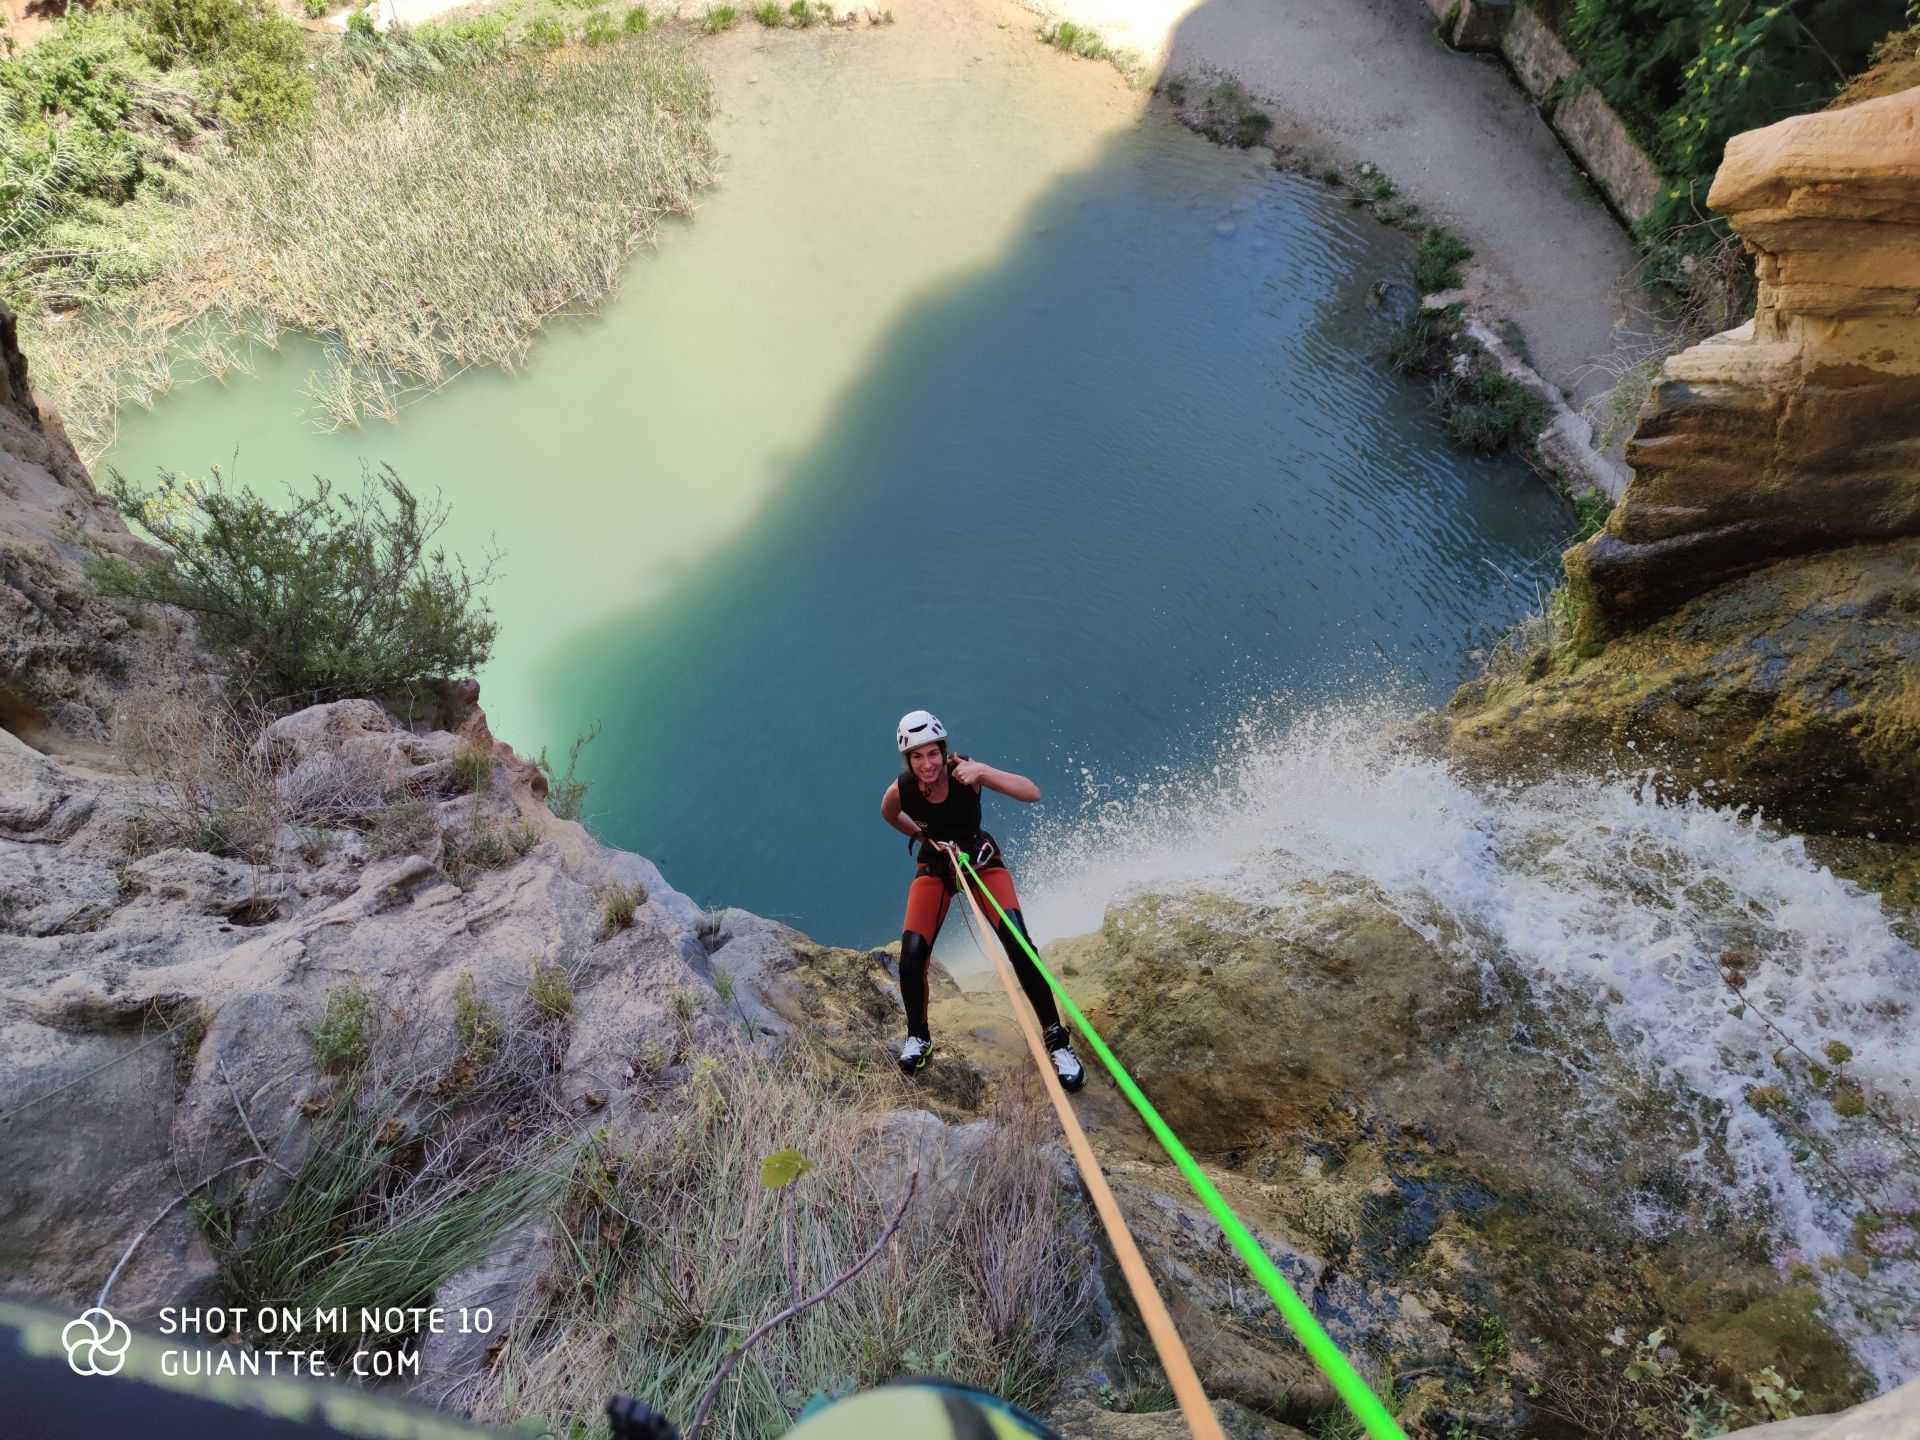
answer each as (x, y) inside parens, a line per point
(1146, 1298)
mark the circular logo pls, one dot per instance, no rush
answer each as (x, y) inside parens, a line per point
(96, 1343)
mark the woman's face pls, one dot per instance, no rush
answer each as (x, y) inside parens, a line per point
(926, 762)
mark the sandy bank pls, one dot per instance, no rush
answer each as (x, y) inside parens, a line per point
(1369, 80)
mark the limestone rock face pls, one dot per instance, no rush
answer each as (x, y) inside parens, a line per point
(1799, 431)
(57, 641)
(146, 998)
(1796, 690)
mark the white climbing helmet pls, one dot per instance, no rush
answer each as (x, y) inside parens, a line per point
(919, 727)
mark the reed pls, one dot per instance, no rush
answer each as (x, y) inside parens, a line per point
(448, 198)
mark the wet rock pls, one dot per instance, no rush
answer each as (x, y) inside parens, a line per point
(1796, 689)
(1396, 303)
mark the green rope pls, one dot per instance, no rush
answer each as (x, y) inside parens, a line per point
(1360, 1398)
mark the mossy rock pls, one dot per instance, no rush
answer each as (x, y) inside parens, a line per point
(1795, 689)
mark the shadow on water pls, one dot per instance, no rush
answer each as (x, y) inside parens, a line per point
(1089, 505)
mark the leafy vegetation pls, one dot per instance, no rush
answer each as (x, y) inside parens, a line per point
(1687, 75)
(182, 178)
(1485, 411)
(91, 119)
(1079, 40)
(336, 594)
(719, 18)
(1436, 265)
(343, 1038)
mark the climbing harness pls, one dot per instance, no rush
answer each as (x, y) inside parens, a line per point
(1174, 1359)
(1346, 1381)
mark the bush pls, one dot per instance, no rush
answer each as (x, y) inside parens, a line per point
(344, 1037)
(770, 15)
(1591, 510)
(1074, 39)
(1485, 412)
(600, 29)
(546, 33)
(718, 18)
(331, 596)
(1688, 75)
(636, 20)
(1437, 265)
(251, 60)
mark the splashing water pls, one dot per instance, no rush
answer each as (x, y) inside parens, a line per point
(1598, 887)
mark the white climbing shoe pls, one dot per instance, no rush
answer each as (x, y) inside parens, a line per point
(1066, 1064)
(913, 1054)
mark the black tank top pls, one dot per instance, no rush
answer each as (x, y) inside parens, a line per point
(955, 819)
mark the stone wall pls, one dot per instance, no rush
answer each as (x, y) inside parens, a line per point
(1799, 431)
(1579, 114)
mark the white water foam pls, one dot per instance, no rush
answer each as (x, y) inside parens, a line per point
(1598, 886)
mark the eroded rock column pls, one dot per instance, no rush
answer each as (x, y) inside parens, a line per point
(1800, 430)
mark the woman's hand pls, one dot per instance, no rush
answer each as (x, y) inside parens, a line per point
(970, 772)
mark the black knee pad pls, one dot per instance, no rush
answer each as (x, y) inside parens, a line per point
(915, 950)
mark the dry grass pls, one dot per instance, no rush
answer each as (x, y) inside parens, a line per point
(213, 784)
(423, 229)
(1705, 291)
(673, 1249)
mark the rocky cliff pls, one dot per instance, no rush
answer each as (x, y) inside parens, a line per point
(60, 647)
(1799, 431)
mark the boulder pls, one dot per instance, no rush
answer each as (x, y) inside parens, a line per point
(1799, 431)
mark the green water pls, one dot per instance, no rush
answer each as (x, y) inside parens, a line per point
(1070, 432)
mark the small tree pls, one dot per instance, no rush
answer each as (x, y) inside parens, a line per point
(334, 595)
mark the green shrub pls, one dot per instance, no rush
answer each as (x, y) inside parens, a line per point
(600, 29)
(802, 13)
(344, 1037)
(1418, 347)
(1485, 412)
(636, 20)
(360, 24)
(545, 33)
(1688, 75)
(1074, 39)
(332, 595)
(314, 9)
(718, 18)
(250, 60)
(1437, 265)
(1590, 512)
